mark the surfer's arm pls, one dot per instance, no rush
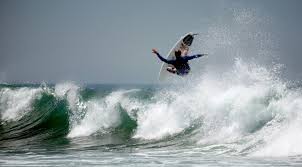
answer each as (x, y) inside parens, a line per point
(194, 56)
(163, 59)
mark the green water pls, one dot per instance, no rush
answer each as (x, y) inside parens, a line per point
(129, 125)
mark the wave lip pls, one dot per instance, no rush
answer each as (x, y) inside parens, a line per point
(15, 103)
(44, 117)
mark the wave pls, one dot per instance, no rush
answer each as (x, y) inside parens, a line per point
(39, 116)
(248, 110)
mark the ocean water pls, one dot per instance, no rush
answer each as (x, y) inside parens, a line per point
(247, 116)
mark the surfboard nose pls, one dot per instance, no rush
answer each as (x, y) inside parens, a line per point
(188, 40)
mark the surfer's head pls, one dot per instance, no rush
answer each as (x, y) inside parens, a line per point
(177, 53)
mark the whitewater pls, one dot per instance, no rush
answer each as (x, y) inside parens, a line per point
(247, 115)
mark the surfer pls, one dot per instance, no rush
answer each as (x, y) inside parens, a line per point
(180, 64)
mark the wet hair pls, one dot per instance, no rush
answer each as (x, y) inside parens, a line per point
(177, 53)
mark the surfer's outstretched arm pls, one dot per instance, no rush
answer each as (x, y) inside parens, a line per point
(194, 56)
(161, 58)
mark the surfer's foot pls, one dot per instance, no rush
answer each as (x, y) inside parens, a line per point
(171, 70)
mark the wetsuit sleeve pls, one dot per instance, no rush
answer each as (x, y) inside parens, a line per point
(194, 56)
(164, 60)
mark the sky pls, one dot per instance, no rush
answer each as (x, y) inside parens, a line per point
(110, 41)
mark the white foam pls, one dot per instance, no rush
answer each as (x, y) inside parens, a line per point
(171, 114)
(251, 108)
(101, 114)
(70, 91)
(240, 108)
(248, 109)
(15, 103)
(285, 139)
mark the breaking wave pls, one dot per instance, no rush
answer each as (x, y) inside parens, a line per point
(248, 110)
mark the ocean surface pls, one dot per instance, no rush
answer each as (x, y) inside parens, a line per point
(245, 117)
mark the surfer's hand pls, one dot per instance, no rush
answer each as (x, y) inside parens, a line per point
(154, 51)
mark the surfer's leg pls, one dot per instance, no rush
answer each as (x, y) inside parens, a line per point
(171, 70)
(184, 49)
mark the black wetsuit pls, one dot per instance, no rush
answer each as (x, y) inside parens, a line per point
(180, 63)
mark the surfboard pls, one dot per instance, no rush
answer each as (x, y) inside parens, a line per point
(182, 44)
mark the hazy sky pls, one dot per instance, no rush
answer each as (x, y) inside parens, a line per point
(110, 41)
